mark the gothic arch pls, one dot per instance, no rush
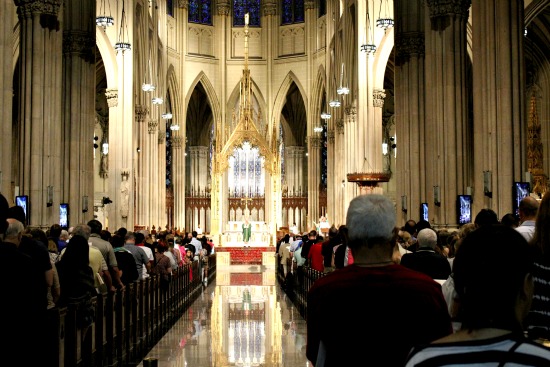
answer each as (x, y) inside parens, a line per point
(319, 91)
(109, 57)
(382, 56)
(256, 94)
(280, 98)
(210, 93)
(175, 98)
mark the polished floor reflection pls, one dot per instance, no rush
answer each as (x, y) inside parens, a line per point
(243, 318)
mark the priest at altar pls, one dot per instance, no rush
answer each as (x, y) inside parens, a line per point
(233, 234)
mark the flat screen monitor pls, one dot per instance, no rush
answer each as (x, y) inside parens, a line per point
(23, 201)
(519, 191)
(464, 209)
(424, 212)
(64, 215)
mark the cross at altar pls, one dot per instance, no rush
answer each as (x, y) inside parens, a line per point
(246, 199)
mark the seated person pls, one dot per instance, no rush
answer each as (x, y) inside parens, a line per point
(426, 260)
(494, 286)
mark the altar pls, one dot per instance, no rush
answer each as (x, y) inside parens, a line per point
(233, 234)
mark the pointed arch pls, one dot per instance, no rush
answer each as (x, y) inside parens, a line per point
(210, 93)
(109, 57)
(382, 56)
(317, 97)
(280, 98)
(257, 95)
(175, 99)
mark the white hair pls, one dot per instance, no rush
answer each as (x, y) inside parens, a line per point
(15, 228)
(427, 238)
(371, 216)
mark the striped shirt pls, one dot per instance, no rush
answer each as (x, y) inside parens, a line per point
(502, 351)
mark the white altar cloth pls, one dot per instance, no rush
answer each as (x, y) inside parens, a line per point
(233, 234)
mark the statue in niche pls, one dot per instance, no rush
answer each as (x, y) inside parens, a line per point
(124, 196)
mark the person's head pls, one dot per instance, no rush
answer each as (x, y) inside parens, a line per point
(117, 241)
(420, 225)
(18, 213)
(105, 235)
(491, 272)
(139, 238)
(95, 226)
(427, 238)
(14, 231)
(38, 235)
(77, 253)
(410, 226)
(332, 232)
(528, 207)
(509, 220)
(82, 230)
(162, 247)
(55, 231)
(194, 234)
(312, 235)
(122, 231)
(486, 217)
(130, 238)
(64, 236)
(370, 220)
(541, 237)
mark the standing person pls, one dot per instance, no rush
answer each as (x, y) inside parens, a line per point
(247, 231)
(528, 207)
(494, 285)
(20, 291)
(538, 320)
(106, 250)
(373, 291)
(426, 260)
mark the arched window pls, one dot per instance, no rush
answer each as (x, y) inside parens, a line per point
(170, 7)
(322, 8)
(241, 7)
(292, 11)
(200, 11)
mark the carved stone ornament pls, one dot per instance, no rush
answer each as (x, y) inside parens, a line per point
(141, 113)
(330, 136)
(409, 44)
(177, 142)
(309, 4)
(445, 8)
(152, 126)
(224, 7)
(79, 43)
(315, 142)
(378, 98)
(183, 4)
(26, 8)
(112, 97)
(270, 7)
(161, 137)
(340, 126)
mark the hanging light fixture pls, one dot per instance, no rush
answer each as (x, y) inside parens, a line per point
(166, 115)
(123, 43)
(104, 20)
(157, 100)
(342, 89)
(369, 47)
(149, 86)
(318, 129)
(384, 21)
(324, 116)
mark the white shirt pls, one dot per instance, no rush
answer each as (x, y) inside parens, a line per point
(198, 230)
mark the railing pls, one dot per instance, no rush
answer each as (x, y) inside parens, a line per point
(297, 283)
(128, 323)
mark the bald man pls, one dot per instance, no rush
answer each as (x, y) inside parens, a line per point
(528, 207)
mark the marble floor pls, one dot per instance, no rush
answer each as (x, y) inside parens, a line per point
(243, 318)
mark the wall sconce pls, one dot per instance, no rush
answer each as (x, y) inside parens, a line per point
(469, 190)
(84, 204)
(437, 198)
(404, 203)
(487, 184)
(49, 196)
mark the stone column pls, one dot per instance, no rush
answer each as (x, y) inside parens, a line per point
(374, 133)
(409, 106)
(350, 133)
(178, 164)
(499, 128)
(339, 215)
(447, 161)
(198, 169)
(111, 94)
(314, 173)
(142, 180)
(40, 108)
(7, 9)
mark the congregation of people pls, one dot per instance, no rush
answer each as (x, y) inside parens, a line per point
(57, 267)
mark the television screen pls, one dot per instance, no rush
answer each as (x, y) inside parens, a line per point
(424, 212)
(464, 209)
(23, 201)
(64, 215)
(519, 191)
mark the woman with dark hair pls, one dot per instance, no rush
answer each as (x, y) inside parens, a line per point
(77, 280)
(493, 279)
(163, 267)
(486, 217)
(538, 320)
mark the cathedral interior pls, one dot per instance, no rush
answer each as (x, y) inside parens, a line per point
(180, 113)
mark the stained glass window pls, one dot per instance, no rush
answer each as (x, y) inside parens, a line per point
(200, 11)
(292, 11)
(322, 7)
(170, 7)
(241, 7)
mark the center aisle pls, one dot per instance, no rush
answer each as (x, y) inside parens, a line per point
(242, 318)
